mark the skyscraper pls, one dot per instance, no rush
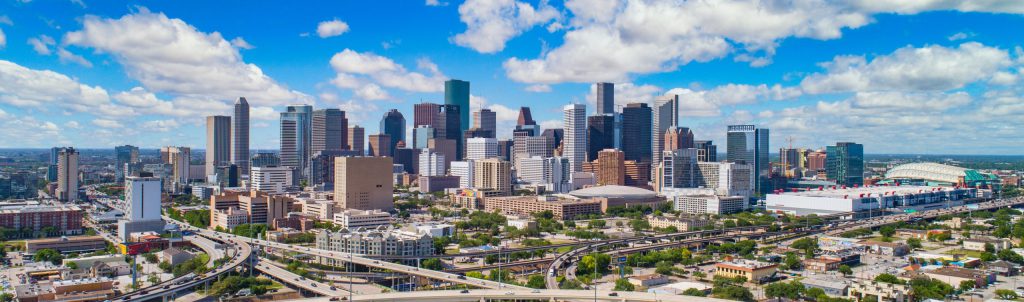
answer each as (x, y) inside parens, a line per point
(240, 136)
(845, 163)
(525, 123)
(605, 98)
(379, 145)
(67, 175)
(296, 136)
(600, 134)
(450, 127)
(493, 174)
(357, 139)
(363, 183)
(574, 145)
(218, 142)
(330, 131)
(706, 151)
(609, 167)
(180, 160)
(126, 154)
(420, 135)
(486, 120)
(636, 130)
(665, 115)
(678, 138)
(456, 92)
(393, 124)
(747, 144)
(431, 163)
(51, 171)
(478, 148)
(426, 114)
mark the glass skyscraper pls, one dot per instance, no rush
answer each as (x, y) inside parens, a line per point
(747, 144)
(456, 92)
(296, 137)
(845, 163)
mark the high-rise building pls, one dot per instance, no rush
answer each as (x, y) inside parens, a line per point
(356, 139)
(450, 127)
(664, 115)
(51, 171)
(322, 167)
(477, 132)
(456, 92)
(492, 174)
(554, 136)
(638, 174)
(525, 123)
(608, 167)
(142, 197)
(273, 180)
(444, 146)
(789, 159)
(816, 160)
(330, 131)
(126, 154)
(393, 124)
(487, 120)
(227, 176)
(600, 134)
(678, 169)
(240, 136)
(747, 144)
(265, 159)
(478, 148)
(574, 145)
(845, 163)
(180, 159)
(431, 163)
(678, 138)
(426, 114)
(726, 178)
(605, 98)
(552, 173)
(218, 142)
(296, 137)
(464, 170)
(420, 135)
(379, 145)
(636, 129)
(409, 159)
(706, 151)
(363, 183)
(67, 175)
(527, 146)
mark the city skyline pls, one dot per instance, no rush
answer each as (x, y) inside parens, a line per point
(938, 80)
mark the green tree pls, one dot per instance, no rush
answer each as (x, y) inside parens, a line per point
(732, 292)
(914, 243)
(570, 284)
(694, 292)
(624, 285)
(887, 231)
(814, 292)
(165, 266)
(153, 279)
(49, 255)
(589, 262)
(536, 281)
(928, 288)
(791, 290)
(432, 264)
(150, 257)
(1006, 294)
(845, 270)
(889, 278)
(6, 297)
(966, 285)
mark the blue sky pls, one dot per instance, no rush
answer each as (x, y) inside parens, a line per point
(926, 76)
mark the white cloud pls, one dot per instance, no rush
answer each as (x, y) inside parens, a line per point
(626, 93)
(611, 40)
(107, 123)
(42, 89)
(72, 125)
(491, 23)
(161, 125)
(264, 113)
(436, 3)
(4, 19)
(538, 88)
(26, 131)
(241, 43)
(327, 29)
(3, 39)
(66, 56)
(930, 68)
(41, 45)
(170, 56)
(367, 74)
(960, 36)
(551, 124)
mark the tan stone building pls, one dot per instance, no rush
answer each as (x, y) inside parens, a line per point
(681, 224)
(363, 183)
(750, 269)
(562, 208)
(493, 174)
(886, 292)
(609, 167)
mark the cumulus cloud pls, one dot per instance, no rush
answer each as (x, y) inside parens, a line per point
(170, 56)
(930, 68)
(367, 74)
(107, 123)
(40, 89)
(332, 28)
(538, 88)
(41, 44)
(3, 39)
(491, 23)
(626, 93)
(241, 43)
(609, 40)
(68, 57)
(436, 3)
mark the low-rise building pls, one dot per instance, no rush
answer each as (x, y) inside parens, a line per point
(175, 256)
(97, 266)
(319, 209)
(65, 219)
(897, 249)
(953, 275)
(435, 229)
(378, 241)
(74, 244)
(884, 291)
(681, 224)
(522, 223)
(754, 271)
(88, 289)
(562, 208)
(979, 243)
(648, 280)
(294, 220)
(351, 219)
(919, 234)
(229, 218)
(821, 265)
(831, 285)
(1003, 268)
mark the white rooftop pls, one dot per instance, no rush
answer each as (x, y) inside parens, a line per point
(851, 192)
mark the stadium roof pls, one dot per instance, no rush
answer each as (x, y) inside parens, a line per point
(936, 172)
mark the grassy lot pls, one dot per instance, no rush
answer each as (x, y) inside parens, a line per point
(968, 253)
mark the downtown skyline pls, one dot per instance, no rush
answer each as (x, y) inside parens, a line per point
(928, 79)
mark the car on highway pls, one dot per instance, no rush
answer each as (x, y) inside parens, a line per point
(465, 291)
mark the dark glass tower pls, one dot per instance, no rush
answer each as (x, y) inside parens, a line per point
(456, 92)
(845, 163)
(748, 144)
(636, 132)
(600, 134)
(393, 124)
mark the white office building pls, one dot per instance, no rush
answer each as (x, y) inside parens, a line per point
(703, 201)
(431, 163)
(550, 172)
(142, 206)
(728, 179)
(351, 218)
(464, 170)
(273, 179)
(478, 148)
(574, 144)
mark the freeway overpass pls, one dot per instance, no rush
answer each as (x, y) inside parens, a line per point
(170, 288)
(285, 276)
(478, 295)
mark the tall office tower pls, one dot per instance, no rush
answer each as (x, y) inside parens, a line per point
(426, 114)
(505, 149)
(408, 158)
(727, 179)
(575, 142)
(180, 159)
(321, 167)
(476, 132)
(706, 151)
(51, 171)
(420, 135)
(493, 174)
(142, 196)
(227, 176)
(605, 98)
(845, 163)
(677, 169)
(789, 158)
(747, 144)
(431, 163)
(330, 131)
(608, 167)
(464, 170)
(444, 146)
(638, 174)
(636, 129)
(678, 138)
(487, 120)
(816, 160)
(218, 142)
(393, 124)
(356, 139)
(126, 154)
(664, 115)
(600, 134)
(296, 136)
(554, 136)
(240, 136)
(363, 183)
(478, 148)
(527, 146)
(450, 127)
(379, 145)
(525, 122)
(67, 175)
(456, 92)
(265, 159)
(550, 172)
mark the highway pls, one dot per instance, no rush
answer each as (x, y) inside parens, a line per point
(188, 281)
(284, 275)
(479, 295)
